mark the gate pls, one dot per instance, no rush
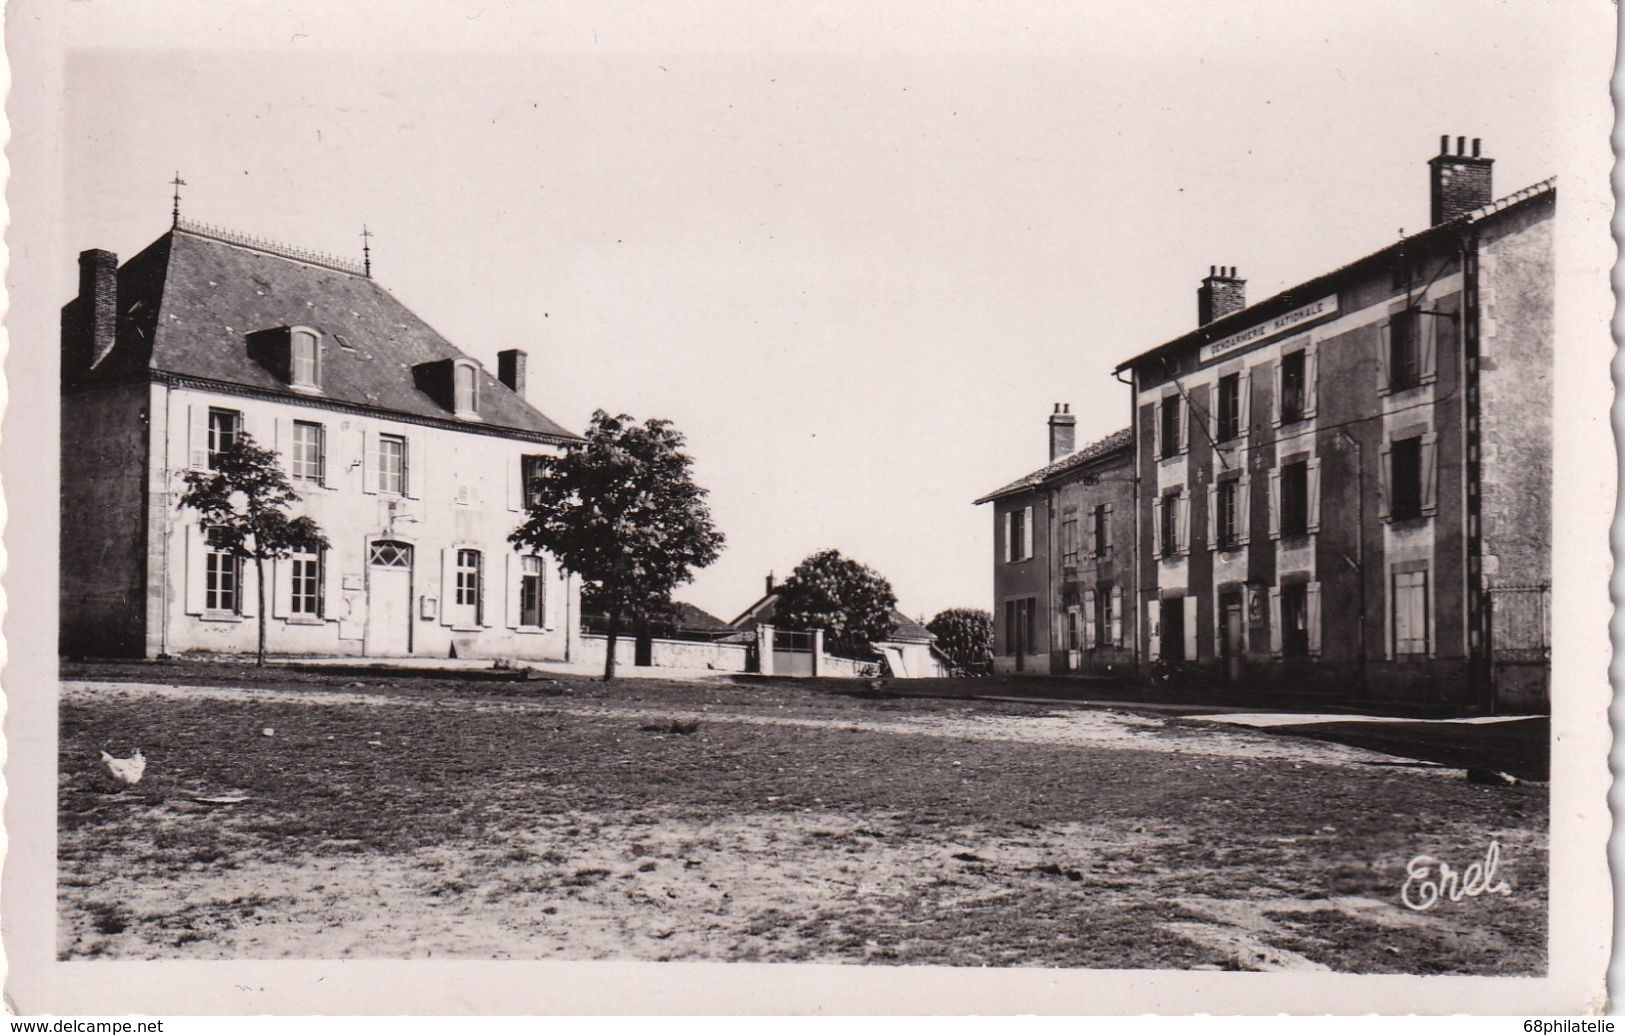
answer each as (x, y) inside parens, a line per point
(1520, 644)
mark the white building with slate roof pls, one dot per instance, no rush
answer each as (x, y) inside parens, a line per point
(406, 451)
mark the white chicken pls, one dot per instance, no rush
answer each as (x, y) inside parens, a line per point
(126, 772)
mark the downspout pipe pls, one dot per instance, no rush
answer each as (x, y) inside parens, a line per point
(1132, 597)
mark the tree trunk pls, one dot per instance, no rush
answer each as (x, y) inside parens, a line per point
(259, 587)
(609, 647)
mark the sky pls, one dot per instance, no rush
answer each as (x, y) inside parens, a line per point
(854, 254)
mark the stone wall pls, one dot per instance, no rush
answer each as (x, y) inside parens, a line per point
(722, 657)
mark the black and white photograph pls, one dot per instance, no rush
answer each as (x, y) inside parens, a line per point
(821, 508)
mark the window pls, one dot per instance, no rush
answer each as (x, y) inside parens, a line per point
(1069, 542)
(465, 393)
(222, 580)
(305, 589)
(309, 452)
(1411, 612)
(1226, 528)
(1404, 353)
(305, 358)
(1072, 629)
(1103, 616)
(1295, 498)
(530, 470)
(1019, 628)
(1018, 534)
(1172, 643)
(1295, 620)
(1294, 382)
(1170, 426)
(391, 464)
(530, 591)
(224, 427)
(1170, 524)
(386, 553)
(1229, 407)
(1406, 479)
(1102, 532)
(468, 577)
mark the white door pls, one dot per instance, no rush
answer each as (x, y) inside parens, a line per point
(389, 598)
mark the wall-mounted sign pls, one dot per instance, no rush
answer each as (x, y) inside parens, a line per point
(1270, 328)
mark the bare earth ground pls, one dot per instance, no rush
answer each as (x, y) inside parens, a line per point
(395, 816)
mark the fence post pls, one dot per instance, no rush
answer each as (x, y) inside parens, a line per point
(764, 649)
(817, 653)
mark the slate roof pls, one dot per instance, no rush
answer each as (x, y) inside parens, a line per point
(904, 628)
(1309, 290)
(1117, 441)
(188, 302)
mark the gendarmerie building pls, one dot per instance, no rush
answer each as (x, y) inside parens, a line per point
(1346, 487)
(408, 454)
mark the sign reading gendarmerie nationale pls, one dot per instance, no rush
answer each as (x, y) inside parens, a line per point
(1269, 328)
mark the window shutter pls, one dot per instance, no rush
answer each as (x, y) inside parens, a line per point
(1311, 378)
(281, 587)
(1026, 532)
(1430, 474)
(1313, 502)
(197, 442)
(1089, 619)
(1385, 478)
(1275, 410)
(249, 424)
(1106, 533)
(416, 466)
(1244, 402)
(1213, 411)
(1189, 604)
(448, 583)
(1153, 631)
(1184, 543)
(1212, 515)
(516, 483)
(1428, 332)
(332, 585)
(1385, 353)
(369, 460)
(196, 552)
(1156, 430)
(1009, 536)
(1244, 497)
(1275, 621)
(282, 442)
(1183, 408)
(1314, 618)
(327, 462)
(248, 595)
(1156, 526)
(1117, 616)
(515, 570)
(1275, 503)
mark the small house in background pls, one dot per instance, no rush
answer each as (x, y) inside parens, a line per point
(909, 652)
(1063, 566)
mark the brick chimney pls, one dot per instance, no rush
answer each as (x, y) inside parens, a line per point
(1460, 182)
(769, 585)
(1221, 294)
(1062, 432)
(89, 333)
(511, 370)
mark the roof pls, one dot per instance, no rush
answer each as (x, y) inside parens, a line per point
(1118, 441)
(1310, 289)
(688, 616)
(904, 628)
(189, 301)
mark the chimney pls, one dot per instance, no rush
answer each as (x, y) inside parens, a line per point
(769, 584)
(95, 321)
(1221, 294)
(1062, 429)
(1460, 182)
(511, 370)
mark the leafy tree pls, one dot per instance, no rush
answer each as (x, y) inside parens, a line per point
(850, 601)
(965, 635)
(242, 503)
(621, 509)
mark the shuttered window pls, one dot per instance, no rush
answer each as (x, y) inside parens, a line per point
(1411, 612)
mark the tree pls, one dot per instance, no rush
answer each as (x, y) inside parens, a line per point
(621, 509)
(242, 503)
(965, 635)
(850, 601)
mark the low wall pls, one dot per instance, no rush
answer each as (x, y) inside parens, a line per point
(846, 668)
(723, 657)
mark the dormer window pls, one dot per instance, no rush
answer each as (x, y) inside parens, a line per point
(465, 388)
(305, 358)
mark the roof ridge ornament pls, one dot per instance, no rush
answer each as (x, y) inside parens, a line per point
(269, 247)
